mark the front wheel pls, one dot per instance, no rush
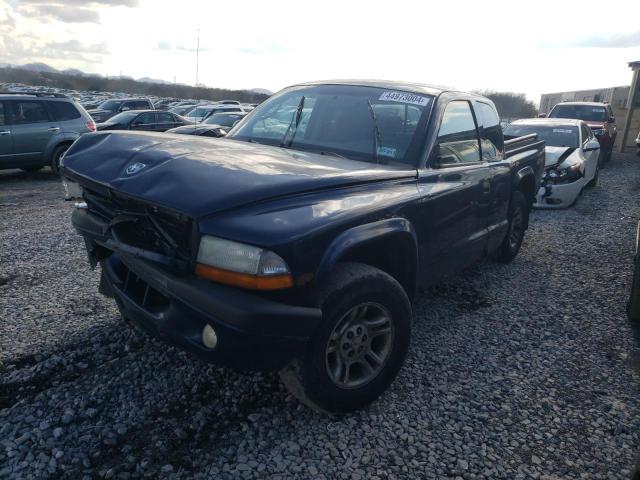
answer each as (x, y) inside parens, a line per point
(633, 307)
(594, 181)
(361, 345)
(518, 217)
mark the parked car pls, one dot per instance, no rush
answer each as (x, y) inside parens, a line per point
(301, 252)
(182, 110)
(571, 152)
(149, 120)
(216, 125)
(109, 108)
(599, 116)
(36, 129)
(200, 112)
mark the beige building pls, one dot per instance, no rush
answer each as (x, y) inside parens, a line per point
(617, 97)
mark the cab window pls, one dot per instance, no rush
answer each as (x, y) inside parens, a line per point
(457, 136)
(491, 139)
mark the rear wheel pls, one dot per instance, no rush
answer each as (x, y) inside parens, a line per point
(57, 155)
(361, 345)
(518, 217)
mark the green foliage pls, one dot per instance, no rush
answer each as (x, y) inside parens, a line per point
(126, 85)
(511, 105)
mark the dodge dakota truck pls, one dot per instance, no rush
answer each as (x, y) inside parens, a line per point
(298, 242)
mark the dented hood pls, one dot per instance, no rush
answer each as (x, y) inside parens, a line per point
(201, 176)
(556, 155)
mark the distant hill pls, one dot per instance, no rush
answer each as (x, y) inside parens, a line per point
(73, 79)
(263, 91)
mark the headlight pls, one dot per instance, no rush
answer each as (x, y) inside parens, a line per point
(569, 174)
(598, 132)
(241, 265)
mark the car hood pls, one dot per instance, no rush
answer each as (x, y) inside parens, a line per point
(556, 155)
(202, 176)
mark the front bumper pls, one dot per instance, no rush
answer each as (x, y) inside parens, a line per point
(560, 196)
(253, 332)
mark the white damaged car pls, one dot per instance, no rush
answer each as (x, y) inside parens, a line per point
(572, 158)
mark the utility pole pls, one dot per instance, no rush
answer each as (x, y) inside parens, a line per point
(633, 99)
(197, 57)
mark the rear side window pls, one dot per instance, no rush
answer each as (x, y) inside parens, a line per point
(458, 136)
(27, 111)
(165, 118)
(491, 138)
(63, 111)
(142, 105)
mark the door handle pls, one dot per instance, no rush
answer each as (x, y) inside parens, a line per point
(53, 129)
(5, 132)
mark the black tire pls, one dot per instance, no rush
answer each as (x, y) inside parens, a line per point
(633, 306)
(518, 217)
(55, 157)
(31, 169)
(594, 180)
(351, 288)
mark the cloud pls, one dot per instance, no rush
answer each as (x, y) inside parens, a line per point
(61, 13)
(263, 49)
(69, 11)
(615, 40)
(85, 3)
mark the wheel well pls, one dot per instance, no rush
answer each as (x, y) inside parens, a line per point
(527, 187)
(395, 255)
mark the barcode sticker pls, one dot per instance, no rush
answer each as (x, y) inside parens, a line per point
(403, 97)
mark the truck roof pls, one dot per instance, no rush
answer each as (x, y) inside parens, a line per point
(390, 84)
(548, 121)
(589, 104)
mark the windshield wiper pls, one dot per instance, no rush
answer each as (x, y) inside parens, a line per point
(295, 121)
(376, 132)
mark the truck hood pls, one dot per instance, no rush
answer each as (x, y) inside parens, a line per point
(556, 155)
(201, 176)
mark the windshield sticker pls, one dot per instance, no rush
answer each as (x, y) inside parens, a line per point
(562, 130)
(387, 151)
(599, 110)
(404, 98)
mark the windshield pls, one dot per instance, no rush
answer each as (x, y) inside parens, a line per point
(123, 117)
(200, 112)
(110, 105)
(553, 136)
(361, 123)
(580, 112)
(223, 119)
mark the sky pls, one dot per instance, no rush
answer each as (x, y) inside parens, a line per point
(529, 47)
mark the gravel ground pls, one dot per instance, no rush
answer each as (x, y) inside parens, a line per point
(528, 370)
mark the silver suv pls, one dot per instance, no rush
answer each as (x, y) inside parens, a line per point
(36, 129)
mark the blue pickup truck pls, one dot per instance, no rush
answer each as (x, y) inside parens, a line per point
(297, 243)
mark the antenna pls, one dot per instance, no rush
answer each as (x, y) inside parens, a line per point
(195, 119)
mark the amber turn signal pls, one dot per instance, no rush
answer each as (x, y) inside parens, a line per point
(244, 280)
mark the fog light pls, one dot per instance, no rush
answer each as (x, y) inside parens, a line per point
(209, 337)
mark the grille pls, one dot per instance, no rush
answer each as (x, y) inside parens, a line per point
(143, 225)
(140, 291)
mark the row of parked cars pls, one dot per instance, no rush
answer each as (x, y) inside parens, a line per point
(36, 128)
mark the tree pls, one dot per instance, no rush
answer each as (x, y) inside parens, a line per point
(511, 105)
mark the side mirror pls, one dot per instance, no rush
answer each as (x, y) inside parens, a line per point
(124, 109)
(592, 145)
(542, 115)
(612, 119)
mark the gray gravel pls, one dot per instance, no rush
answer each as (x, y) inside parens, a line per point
(528, 370)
